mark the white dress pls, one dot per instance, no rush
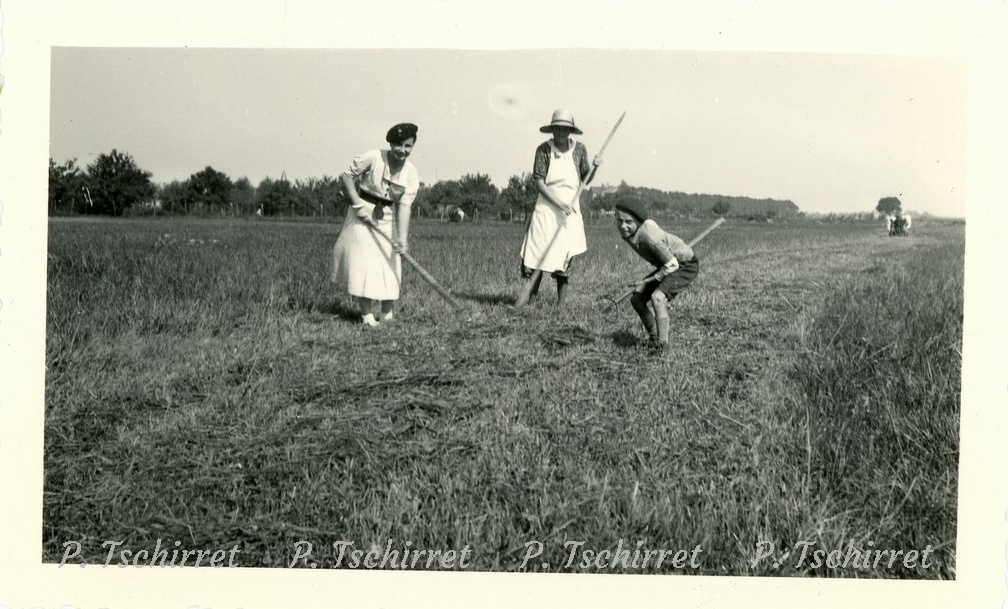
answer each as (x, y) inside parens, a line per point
(554, 238)
(363, 263)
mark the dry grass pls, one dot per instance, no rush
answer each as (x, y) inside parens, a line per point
(205, 384)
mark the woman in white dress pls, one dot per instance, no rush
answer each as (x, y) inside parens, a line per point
(381, 184)
(556, 233)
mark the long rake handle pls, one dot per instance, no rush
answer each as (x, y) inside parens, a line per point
(695, 240)
(421, 271)
(612, 132)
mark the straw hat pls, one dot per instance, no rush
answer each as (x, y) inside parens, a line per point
(561, 118)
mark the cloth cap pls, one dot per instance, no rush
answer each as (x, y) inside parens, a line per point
(561, 118)
(634, 208)
(401, 132)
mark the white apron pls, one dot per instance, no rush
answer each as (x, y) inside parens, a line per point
(553, 238)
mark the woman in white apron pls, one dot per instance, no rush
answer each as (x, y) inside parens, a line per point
(556, 234)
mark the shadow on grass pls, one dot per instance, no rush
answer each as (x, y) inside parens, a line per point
(491, 299)
(342, 310)
(626, 339)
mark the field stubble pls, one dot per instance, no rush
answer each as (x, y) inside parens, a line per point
(205, 383)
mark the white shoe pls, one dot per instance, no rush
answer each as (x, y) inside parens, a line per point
(387, 316)
(370, 321)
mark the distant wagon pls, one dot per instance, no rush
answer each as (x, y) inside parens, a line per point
(899, 225)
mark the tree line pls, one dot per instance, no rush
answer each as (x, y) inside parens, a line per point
(115, 185)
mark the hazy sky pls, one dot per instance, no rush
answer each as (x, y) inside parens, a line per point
(829, 132)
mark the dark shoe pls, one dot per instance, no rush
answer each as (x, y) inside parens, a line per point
(657, 347)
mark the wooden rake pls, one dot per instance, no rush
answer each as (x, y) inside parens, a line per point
(440, 289)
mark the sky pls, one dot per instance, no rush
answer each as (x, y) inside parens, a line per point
(830, 132)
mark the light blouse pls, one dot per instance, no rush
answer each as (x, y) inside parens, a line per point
(370, 171)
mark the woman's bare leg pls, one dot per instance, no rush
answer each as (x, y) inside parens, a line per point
(531, 285)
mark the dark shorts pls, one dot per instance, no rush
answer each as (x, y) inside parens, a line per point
(674, 282)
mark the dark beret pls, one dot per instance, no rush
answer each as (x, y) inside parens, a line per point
(401, 132)
(634, 208)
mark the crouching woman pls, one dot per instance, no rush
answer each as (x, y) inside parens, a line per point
(676, 266)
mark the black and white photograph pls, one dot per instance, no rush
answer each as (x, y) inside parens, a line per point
(393, 320)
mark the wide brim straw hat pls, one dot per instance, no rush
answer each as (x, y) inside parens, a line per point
(561, 118)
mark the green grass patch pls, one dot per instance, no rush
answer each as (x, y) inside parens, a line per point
(881, 372)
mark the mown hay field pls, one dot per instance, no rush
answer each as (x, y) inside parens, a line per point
(205, 384)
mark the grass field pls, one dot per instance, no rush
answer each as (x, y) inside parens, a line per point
(206, 384)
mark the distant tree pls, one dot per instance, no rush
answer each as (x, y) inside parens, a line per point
(304, 198)
(334, 196)
(174, 196)
(328, 196)
(472, 193)
(209, 188)
(442, 195)
(317, 197)
(721, 208)
(519, 196)
(422, 203)
(116, 183)
(66, 188)
(478, 195)
(242, 196)
(275, 197)
(889, 205)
